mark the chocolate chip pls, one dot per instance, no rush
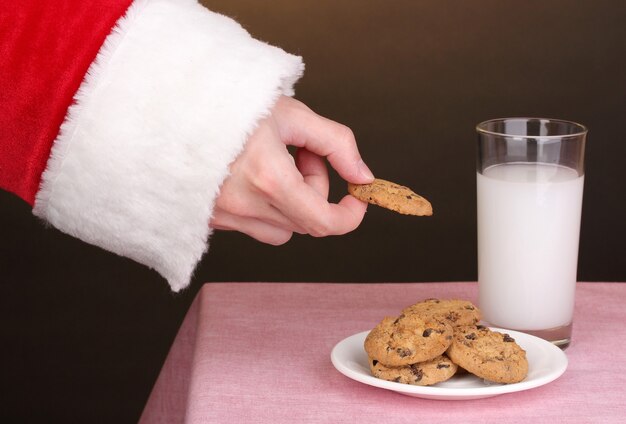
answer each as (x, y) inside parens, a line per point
(469, 308)
(453, 316)
(480, 327)
(417, 372)
(440, 366)
(397, 379)
(398, 319)
(374, 362)
(508, 339)
(427, 332)
(471, 336)
(403, 352)
(409, 197)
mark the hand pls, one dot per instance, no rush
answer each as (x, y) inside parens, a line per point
(269, 195)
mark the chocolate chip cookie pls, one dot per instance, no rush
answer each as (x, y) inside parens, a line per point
(425, 373)
(457, 312)
(392, 196)
(408, 339)
(488, 354)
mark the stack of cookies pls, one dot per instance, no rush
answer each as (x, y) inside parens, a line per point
(431, 339)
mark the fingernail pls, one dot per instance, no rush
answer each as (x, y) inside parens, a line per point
(365, 171)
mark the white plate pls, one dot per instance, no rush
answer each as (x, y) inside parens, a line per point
(546, 363)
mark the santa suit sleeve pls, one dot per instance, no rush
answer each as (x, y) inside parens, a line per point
(119, 119)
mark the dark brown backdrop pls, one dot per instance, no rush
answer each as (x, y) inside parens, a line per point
(84, 332)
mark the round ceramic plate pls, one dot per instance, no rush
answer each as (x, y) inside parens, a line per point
(546, 363)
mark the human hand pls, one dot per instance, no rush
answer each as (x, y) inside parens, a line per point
(269, 195)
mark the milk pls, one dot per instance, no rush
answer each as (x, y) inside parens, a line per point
(528, 229)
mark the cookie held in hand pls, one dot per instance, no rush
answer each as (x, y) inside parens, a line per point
(392, 196)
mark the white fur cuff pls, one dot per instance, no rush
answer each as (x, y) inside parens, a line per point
(165, 108)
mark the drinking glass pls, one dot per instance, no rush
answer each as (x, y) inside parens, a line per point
(530, 175)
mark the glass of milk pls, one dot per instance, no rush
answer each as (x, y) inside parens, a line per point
(530, 178)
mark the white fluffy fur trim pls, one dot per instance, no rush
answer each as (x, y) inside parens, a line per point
(164, 109)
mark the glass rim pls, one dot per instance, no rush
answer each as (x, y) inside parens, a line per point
(582, 130)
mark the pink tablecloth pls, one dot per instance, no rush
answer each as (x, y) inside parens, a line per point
(260, 352)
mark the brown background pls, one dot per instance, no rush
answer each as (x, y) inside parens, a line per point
(84, 331)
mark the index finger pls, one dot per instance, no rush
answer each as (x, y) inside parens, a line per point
(302, 127)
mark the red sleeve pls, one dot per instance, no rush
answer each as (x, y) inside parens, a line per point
(118, 121)
(46, 48)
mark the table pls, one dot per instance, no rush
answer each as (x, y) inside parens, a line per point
(260, 352)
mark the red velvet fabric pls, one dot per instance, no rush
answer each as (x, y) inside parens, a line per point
(46, 48)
